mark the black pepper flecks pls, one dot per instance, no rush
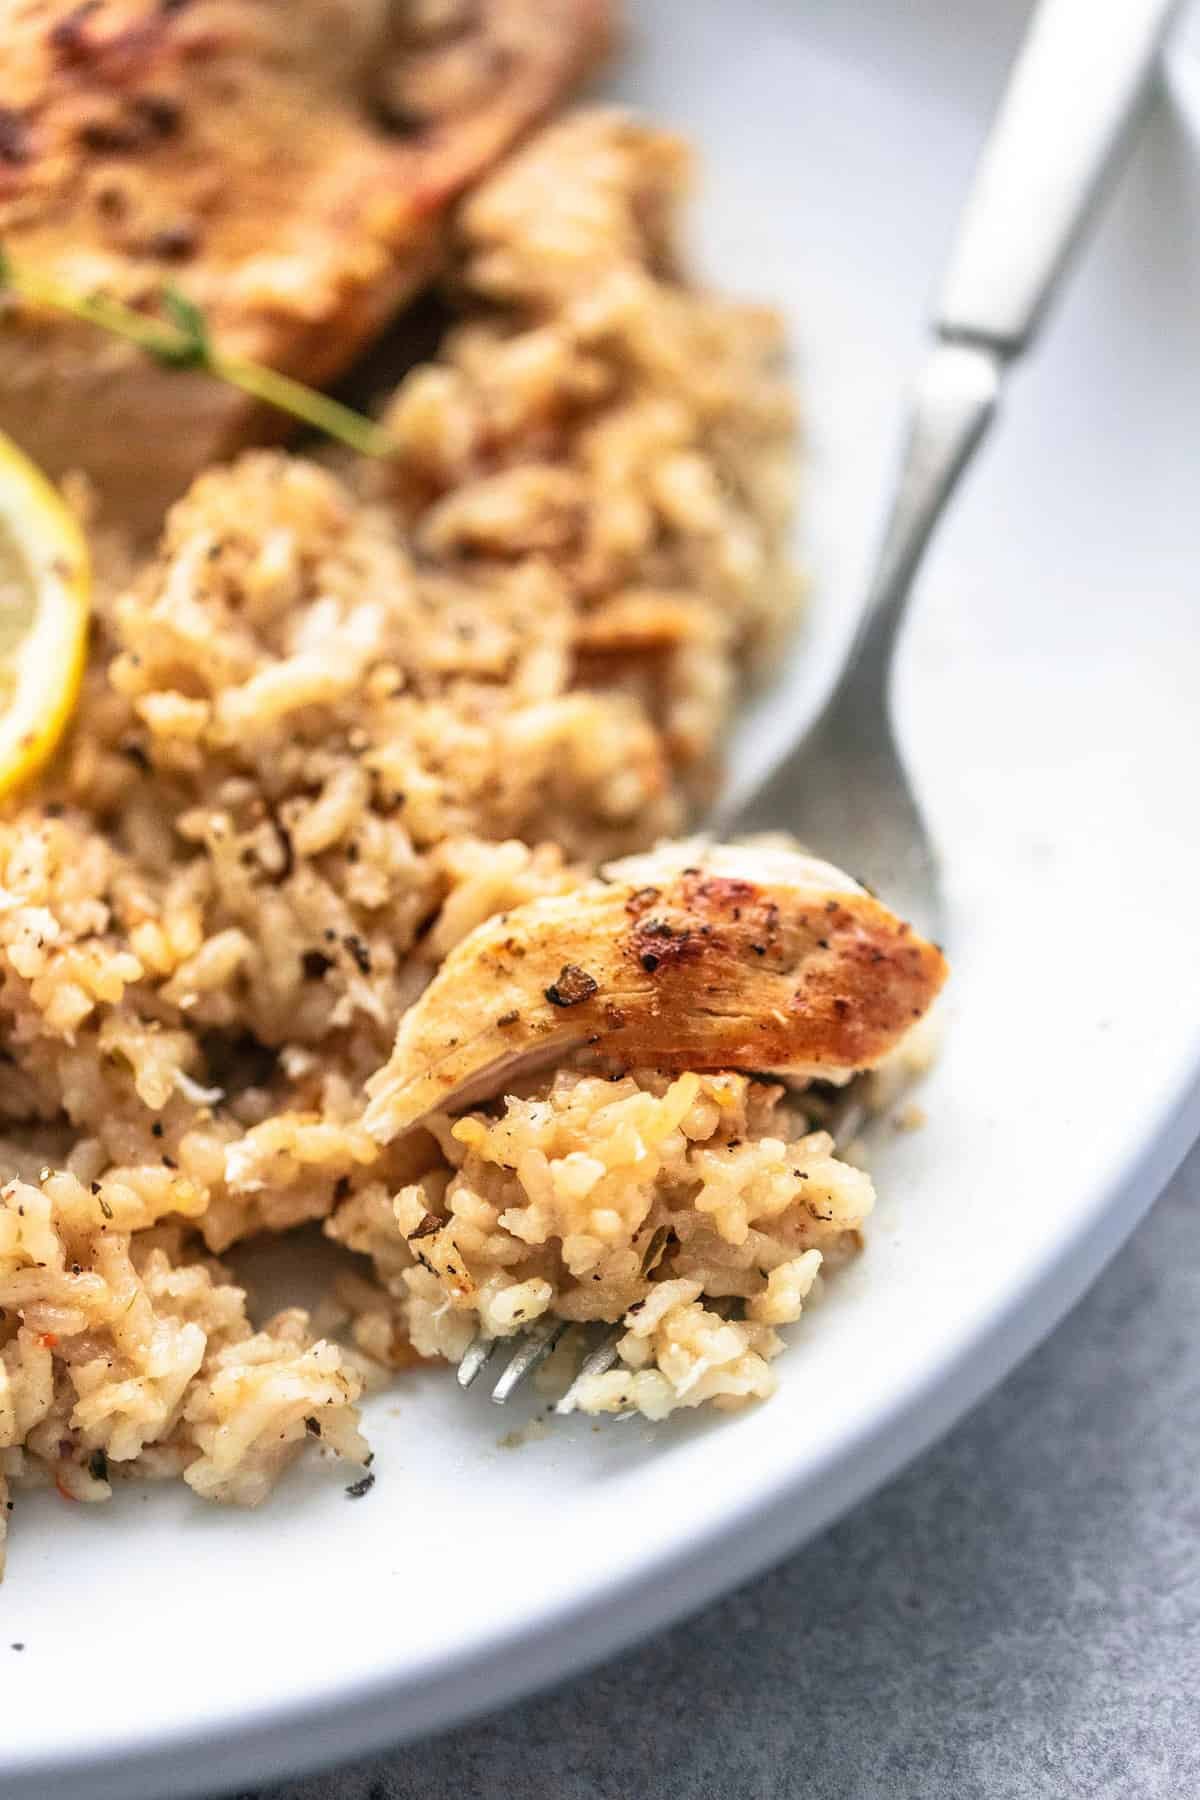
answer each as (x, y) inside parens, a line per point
(14, 138)
(288, 849)
(110, 136)
(358, 950)
(161, 112)
(68, 36)
(357, 1489)
(638, 902)
(573, 986)
(135, 753)
(174, 242)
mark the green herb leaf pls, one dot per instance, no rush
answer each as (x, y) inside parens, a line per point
(180, 339)
(195, 346)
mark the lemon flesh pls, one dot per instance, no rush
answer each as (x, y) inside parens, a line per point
(45, 587)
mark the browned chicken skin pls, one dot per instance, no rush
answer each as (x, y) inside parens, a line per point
(691, 957)
(284, 161)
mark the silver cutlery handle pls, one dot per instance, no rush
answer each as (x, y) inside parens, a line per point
(1075, 91)
(1076, 88)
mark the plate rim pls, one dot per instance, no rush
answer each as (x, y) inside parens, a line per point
(353, 1718)
(601, 1620)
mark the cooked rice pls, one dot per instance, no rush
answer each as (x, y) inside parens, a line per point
(629, 1198)
(334, 722)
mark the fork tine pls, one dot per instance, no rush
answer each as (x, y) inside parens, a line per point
(596, 1362)
(848, 1116)
(540, 1340)
(474, 1358)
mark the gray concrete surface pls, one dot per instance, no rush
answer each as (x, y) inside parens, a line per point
(1017, 1615)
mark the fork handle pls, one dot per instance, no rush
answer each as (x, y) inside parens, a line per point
(1076, 89)
(1074, 94)
(1071, 101)
(953, 403)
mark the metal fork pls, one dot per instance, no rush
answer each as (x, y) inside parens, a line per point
(1072, 100)
(535, 1344)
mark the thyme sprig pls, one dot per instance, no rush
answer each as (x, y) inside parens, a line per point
(180, 339)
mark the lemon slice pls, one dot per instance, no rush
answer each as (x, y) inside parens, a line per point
(45, 587)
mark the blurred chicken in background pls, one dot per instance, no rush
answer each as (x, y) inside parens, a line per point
(286, 162)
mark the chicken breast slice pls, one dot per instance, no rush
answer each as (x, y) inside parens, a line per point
(693, 957)
(286, 164)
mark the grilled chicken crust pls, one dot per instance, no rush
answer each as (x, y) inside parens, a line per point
(693, 957)
(285, 161)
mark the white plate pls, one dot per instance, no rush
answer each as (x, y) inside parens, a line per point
(1049, 689)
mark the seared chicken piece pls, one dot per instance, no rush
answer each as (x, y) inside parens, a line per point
(285, 163)
(692, 957)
